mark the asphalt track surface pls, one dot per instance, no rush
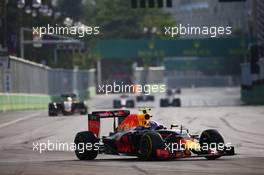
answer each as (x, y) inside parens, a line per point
(203, 108)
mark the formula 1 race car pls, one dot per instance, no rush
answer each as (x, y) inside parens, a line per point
(67, 106)
(170, 99)
(136, 135)
(124, 101)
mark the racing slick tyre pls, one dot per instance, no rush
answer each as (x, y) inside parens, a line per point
(52, 114)
(176, 102)
(117, 104)
(164, 102)
(149, 143)
(84, 111)
(82, 139)
(213, 138)
(52, 110)
(139, 98)
(130, 104)
(151, 98)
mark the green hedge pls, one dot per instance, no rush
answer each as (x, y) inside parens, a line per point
(17, 102)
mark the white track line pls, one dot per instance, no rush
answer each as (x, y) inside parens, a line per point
(18, 120)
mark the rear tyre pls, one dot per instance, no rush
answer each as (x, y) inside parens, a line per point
(82, 139)
(176, 102)
(52, 110)
(130, 104)
(151, 98)
(211, 137)
(149, 143)
(117, 104)
(164, 102)
(84, 111)
(139, 98)
(52, 114)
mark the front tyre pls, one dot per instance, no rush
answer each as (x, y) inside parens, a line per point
(151, 98)
(176, 102)
(52, 114)
(212, 138)
(87, 145)
(117, 104)
(164, 102)
(84, 111)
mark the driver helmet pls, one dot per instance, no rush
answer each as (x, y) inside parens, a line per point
(69, 99)
(153, 124)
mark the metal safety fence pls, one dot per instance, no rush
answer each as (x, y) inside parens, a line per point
(22, 76)
(151, 75)
(176, 79)
(33, 82)
(201, 81)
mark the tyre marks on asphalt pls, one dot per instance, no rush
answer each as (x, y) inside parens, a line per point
(210, 126)
(238, 130)
(142, 171)
(20, 119)
(191, 119)
(36, 139)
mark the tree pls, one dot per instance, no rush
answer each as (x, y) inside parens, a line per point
(117, 20)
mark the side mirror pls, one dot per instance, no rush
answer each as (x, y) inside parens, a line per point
(174, 126)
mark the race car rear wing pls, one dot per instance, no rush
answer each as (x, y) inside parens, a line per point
(95, 117)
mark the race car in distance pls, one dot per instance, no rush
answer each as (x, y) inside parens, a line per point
(145, 98)
(136, 135)
(124, 101)
(170, 99)
(67, 106)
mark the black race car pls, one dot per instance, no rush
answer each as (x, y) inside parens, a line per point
(136, 135)
(171, 99)
(124, 101)
(67, 106)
